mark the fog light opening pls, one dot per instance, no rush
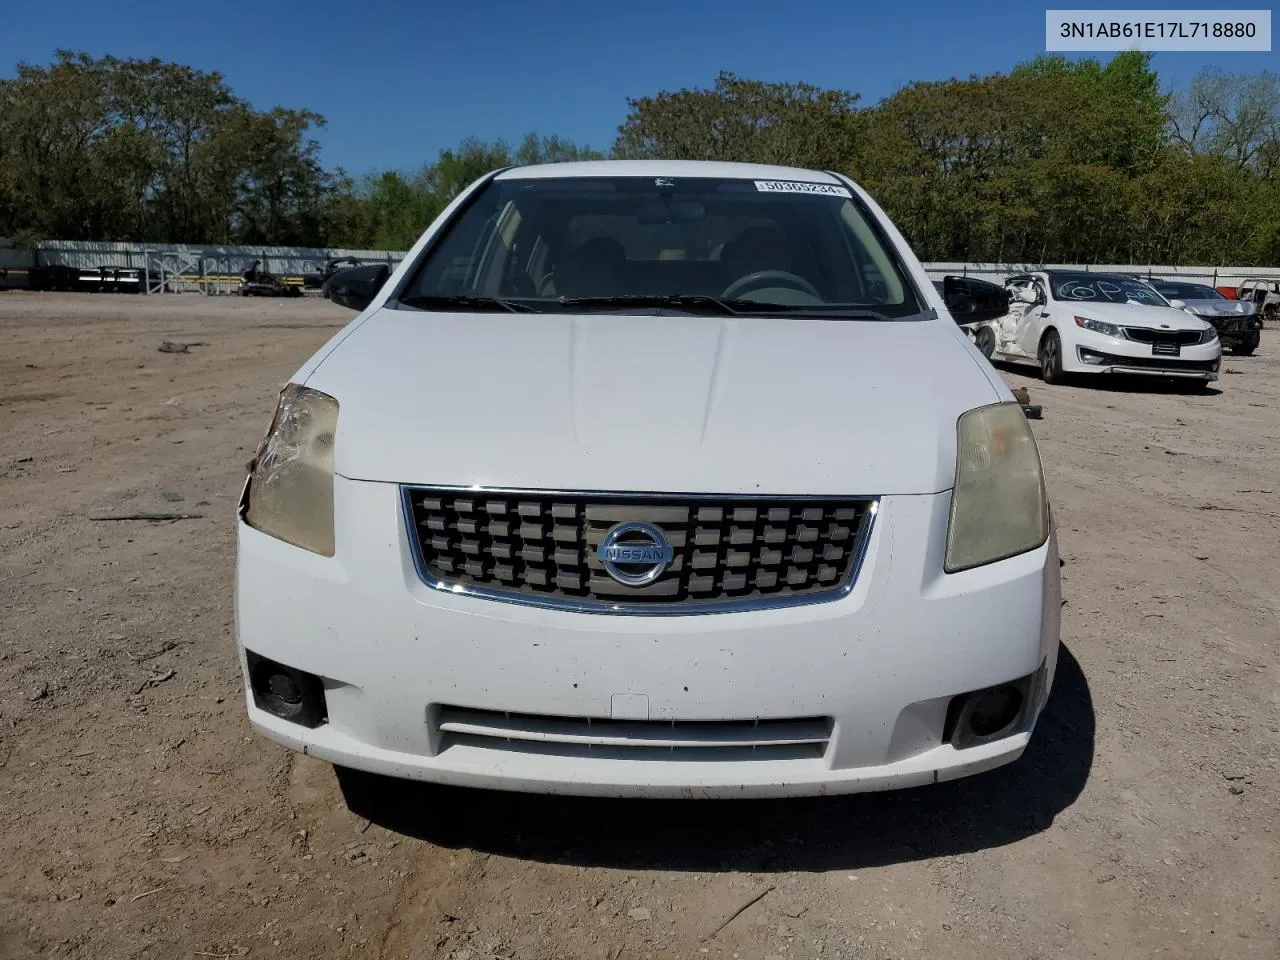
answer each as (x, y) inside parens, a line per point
(285, 687)
(981, 716)
(287, 693)
(994, 711)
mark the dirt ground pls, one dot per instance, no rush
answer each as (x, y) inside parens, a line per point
(140, 816)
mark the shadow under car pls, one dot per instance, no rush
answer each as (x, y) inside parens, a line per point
(813, 834)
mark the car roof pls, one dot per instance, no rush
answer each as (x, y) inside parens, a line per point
(666, 168)
(1093, 273)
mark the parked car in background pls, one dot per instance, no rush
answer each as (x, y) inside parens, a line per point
(257, 281)
(1264, 295)
(972, 303)
(1074, 322)
(316, 279)
(650, 478)
(1237, 321)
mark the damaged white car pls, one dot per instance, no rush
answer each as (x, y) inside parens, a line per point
(1238, 323)
(1074, 322)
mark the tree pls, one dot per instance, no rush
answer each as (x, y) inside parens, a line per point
(1116, 110)
(457, 169)
(53, 123)
(535, 149)
(1233, 117)
(399, 209)
(1057, 161)
(391, 210)
(749, 120)
(102, 149)
(1025, 167)
(277, 187)
(172, 112)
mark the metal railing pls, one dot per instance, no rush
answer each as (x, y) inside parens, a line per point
(213, 269)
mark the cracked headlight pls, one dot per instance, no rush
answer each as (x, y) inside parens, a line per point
(998, 506)
(1099, 326)
(291, 478)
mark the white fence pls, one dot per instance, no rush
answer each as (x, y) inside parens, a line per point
(202, 268)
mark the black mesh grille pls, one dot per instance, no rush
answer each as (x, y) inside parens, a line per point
(1146, 335)
(1233, 323)
(534, 545)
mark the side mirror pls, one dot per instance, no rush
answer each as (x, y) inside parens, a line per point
(355, 287)
(1178, 304)
(973, 301)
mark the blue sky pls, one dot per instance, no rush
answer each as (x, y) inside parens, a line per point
(399, 80)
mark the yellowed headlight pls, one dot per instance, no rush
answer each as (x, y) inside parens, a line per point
(998, 506)
(291, 485)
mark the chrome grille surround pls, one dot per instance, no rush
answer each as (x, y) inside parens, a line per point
(538, 547)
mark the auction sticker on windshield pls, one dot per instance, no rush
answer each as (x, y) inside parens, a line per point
(794, 186)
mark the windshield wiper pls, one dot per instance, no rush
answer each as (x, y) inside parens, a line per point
(836, 311)
(683, 301)
(729, 307)
(466, 302)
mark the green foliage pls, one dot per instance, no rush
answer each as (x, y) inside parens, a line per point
(1030, 167)
(746, 120)
(1058, 161)
(1234, 118)
(395, 209)
(536, 149)
(109, 149)
(1072, 161)
(112, 149)
(389, 211)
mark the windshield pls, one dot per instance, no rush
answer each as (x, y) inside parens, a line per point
(539, 242)
(1103, 289)
(1188, 291)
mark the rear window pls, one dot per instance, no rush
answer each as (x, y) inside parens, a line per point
(760, 242)
(1188, 291)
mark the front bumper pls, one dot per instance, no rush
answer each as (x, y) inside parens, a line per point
(1199, 361)
(879, 666)
(1235, 325)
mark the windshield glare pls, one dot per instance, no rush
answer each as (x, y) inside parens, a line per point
(1111, 289)
(753, 243)
(1188, 291)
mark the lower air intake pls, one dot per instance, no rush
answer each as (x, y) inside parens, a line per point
(734, 740)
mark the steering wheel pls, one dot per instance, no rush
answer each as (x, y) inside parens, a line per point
(767, 278)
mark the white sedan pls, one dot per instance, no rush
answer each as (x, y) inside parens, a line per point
(623, 483)
(1073, 322)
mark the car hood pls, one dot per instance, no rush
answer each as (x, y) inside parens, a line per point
(651, 403)
(1134, 315)
(1221, 308)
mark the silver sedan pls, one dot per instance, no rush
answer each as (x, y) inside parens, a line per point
(1237, 322)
